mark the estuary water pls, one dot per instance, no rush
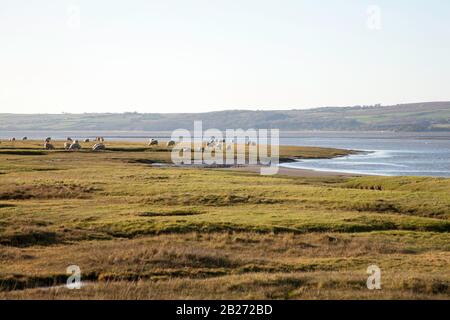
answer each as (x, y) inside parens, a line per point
(387, 153)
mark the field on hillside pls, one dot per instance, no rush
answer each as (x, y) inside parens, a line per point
(139, 231)
(428, 116)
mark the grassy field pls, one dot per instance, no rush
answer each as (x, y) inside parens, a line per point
(143, 232)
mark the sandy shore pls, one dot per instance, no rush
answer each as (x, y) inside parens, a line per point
(257, 169)
(294, 172)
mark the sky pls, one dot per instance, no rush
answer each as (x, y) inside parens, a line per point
(206, 55)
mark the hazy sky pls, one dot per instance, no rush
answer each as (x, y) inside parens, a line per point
(203, 55)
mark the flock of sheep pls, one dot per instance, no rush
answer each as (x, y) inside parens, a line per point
(212, 143)
(75, 145)
(70, 144)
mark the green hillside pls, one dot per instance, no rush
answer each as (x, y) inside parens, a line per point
(431, 116)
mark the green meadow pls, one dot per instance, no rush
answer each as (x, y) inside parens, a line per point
(139, 231)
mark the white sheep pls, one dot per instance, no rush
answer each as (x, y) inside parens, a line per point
(48, 146)
(75, 146)
(98, 146)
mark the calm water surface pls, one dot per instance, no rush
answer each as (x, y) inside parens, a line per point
(386, 156)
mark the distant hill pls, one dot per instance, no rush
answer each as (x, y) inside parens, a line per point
(430, 116)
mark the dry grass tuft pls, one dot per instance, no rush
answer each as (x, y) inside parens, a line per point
(45, 191)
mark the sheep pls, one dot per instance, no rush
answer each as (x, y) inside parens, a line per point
(48, 139)
(67, 145)
(69, 139)
(98, 146)
(48, 146)
(75, 146)
(12, 139)
(170, 143)
(86, 140)
(25, 138)
(153, 142)
(184, 150)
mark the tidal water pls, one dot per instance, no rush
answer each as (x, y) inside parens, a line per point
(386, 153)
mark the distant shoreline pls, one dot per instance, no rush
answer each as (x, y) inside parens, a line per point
(131, 135)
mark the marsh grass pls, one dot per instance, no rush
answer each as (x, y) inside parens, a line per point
(139, 231)
(56, 190)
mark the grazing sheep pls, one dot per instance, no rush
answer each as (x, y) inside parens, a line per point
(69, 139)
(25, 138)
(12, 139)
(48, 139)
(48, 146)
(67, 145)
(170, 143)
(98, 146)
(186, 149)
(153, 142)
(75, 146)
(86, 140)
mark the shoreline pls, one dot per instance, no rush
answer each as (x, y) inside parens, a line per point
(284, 171)
(291, 172)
